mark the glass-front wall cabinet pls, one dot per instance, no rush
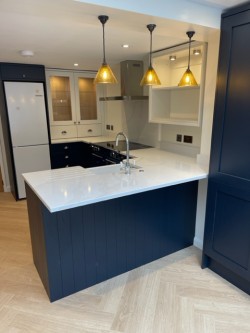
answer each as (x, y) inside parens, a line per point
(170, 103)
(73, 104)
(72, 97)
(61, 90)
(86, 98)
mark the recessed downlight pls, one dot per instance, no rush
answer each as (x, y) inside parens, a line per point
(76, 64)
(197, 52)
(125, 46)
(26, 53)
(172, 57)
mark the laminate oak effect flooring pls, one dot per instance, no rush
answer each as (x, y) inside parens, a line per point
(170, 295)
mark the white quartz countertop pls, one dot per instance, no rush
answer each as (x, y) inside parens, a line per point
(61, 189)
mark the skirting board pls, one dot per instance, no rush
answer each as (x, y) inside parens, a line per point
(198, 243)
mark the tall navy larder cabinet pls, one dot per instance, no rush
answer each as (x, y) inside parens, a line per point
(227, 228)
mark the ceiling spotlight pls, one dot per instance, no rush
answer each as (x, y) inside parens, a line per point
(125, 46)
(172, 57)
(196, 52)
(26, 53)
(76, 65)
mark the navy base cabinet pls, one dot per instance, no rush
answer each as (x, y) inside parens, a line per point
(227, 228)
(79, 247)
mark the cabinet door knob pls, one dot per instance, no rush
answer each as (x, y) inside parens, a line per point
(90, 130)
(64, 132)
(78, 122)
(66, 147)
(66, 157)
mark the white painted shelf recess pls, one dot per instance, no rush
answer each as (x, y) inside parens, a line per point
(174, 105)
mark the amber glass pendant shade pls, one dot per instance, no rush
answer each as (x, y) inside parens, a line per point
(150, 78)
(188, 78)
(104, 74)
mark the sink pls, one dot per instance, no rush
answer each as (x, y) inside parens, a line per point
(114, 168)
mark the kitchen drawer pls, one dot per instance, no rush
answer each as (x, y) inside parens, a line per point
(61, 161)
(63, 132)
(89, 130)
(62, 148)
(21, 72)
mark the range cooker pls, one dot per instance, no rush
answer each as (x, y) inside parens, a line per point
(106, 153)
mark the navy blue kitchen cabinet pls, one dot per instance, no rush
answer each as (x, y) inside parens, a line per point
(70, 154)
(79, 247)
(227, 228)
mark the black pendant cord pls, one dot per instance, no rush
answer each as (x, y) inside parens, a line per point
(190, 35)
(189, 53)
(103, 19)
(151, 28)
(103, 44)
(150, 54)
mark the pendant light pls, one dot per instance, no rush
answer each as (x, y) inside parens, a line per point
(188, 78)
(104, 74)
(150, 77)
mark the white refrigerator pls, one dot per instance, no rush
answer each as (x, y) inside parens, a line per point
(28, 129)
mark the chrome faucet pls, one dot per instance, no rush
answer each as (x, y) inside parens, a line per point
(127, 164)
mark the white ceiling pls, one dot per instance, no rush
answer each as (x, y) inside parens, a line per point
(62, 32)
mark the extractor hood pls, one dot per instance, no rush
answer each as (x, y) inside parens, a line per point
(131, 75)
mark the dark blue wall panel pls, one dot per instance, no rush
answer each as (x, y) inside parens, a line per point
(89, 244)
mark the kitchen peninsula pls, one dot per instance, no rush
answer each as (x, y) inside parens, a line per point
(88, 225)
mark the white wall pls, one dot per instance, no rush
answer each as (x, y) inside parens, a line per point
(208, 111)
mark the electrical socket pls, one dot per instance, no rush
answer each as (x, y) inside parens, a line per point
(188, 139)
(111, 127)
(108, 127)
(179, 137)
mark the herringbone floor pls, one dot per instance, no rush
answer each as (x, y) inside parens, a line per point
(172, 294)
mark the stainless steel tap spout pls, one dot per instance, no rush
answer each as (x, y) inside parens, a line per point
(127, 164)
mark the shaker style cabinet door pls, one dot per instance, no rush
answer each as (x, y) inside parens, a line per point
(227, 228)
(230, 159)
(61, 97)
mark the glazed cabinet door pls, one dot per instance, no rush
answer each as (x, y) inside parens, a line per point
(61, 97)
(87, 106)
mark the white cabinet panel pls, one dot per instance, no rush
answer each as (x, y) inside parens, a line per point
(62, 132)
(89, 130)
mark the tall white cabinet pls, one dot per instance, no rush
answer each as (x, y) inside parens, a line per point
(74, 108)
